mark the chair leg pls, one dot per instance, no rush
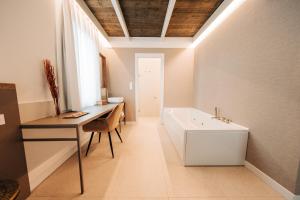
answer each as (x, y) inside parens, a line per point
(119, 135)
(111, 146)
(99, 136)
(87, 151)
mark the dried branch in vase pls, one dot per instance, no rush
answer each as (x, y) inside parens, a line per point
(50, 75)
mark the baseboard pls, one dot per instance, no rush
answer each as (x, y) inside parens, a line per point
(40, 173)
(272, 183)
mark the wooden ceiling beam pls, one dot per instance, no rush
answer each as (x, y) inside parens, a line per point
(104, 12)
(192, 15)
(120, 16)
(170, 9)
(89, 13)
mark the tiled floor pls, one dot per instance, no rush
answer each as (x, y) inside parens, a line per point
(146, 166)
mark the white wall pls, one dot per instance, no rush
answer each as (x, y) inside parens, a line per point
(27, 36)
(149, 86)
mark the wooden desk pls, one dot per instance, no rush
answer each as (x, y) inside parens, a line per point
(59, 122)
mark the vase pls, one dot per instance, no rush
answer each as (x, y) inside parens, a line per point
(57, 108)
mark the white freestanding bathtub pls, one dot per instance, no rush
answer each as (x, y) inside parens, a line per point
(201, 140)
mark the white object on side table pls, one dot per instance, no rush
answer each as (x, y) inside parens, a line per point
(115, 99)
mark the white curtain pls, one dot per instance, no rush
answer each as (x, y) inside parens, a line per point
(81, 47)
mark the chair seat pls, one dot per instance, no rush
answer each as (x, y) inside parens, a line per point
(107, 124)
(97, 125)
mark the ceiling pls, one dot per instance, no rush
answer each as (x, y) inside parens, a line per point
(189, 16)
(106, 15)
(146, 18)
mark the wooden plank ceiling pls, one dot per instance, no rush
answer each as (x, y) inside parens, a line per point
(189, 16)
(106, 15)
(145, 18)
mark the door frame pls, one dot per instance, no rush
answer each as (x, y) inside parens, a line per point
(162, 66)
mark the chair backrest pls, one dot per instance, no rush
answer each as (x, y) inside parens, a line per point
(114, 117)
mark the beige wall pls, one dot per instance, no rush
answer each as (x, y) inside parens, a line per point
(27, 36)
(298, 181)
(250, 67)
(178, 75)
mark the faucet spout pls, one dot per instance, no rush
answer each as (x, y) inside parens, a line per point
(218, 116)
(217, 113)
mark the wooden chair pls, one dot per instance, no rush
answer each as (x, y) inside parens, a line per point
(122, 118)
(108, 124)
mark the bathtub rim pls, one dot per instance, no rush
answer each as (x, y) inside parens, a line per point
(241, 128)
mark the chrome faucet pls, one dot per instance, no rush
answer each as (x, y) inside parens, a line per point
(217, 113)
(218, 116)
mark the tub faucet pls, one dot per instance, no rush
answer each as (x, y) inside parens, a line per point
(217, 113)
(218, 116)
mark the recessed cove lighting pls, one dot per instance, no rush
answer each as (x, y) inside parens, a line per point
(218, 20)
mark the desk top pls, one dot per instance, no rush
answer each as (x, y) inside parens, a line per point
(94, 112)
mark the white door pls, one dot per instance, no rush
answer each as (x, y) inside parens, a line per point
(149, 79)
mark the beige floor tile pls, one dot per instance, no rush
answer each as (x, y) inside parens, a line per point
(256, 198)
(198, 198)
(241, 182)
(136, 198)
(46, 198)
(184, 183)
(138, 179)
(97, 198)
(146, 166)
(140, 171)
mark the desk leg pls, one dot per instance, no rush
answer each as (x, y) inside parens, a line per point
(79, 160)
(124, 114)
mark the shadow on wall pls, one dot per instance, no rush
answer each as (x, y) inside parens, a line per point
(298, 181)
(119, 74)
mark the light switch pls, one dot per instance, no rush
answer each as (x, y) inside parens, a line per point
(130, 85)
(2, 119)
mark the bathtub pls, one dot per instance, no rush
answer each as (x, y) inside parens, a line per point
(201, 140)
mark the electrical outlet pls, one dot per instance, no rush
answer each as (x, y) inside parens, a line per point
(2, 119)
(130, 85)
